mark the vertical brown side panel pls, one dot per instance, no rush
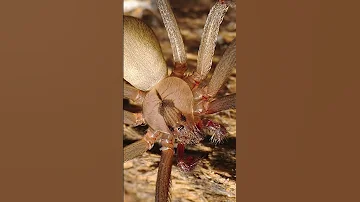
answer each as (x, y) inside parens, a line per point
(60, 100)
(298, 101)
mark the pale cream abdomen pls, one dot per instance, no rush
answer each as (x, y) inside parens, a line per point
(144, 65)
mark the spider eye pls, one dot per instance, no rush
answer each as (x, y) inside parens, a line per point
(181, 127)
(171, 128)
(182, 118)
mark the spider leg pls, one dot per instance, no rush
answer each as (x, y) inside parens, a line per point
(221, 104)
(176, 41)
(133, 119)
(208, 41)
(185, 164)
(222, 69)
(221, 73)
(206, 105)
(133, 94)
(139, 147)
(164, 173)
(217, 131)
(173, 31)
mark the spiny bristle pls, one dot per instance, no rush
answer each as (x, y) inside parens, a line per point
(217, 139)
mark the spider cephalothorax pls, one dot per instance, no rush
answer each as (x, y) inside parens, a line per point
(173, 106)
(170, 105)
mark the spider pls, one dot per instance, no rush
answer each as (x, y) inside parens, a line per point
(173, 106)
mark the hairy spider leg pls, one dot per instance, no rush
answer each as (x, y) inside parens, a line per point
(139, 147)
(221, 104)
(163, 181)
(208, 42)
(205, 103)
(222, 70)
(176, 41)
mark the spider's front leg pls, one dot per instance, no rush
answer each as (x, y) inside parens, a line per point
(205, 101)
(176, 41)
(164, 173)
(208, 42)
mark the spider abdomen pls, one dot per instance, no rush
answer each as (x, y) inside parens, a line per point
(144, 64)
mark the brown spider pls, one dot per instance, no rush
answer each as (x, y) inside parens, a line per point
(173, 106)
